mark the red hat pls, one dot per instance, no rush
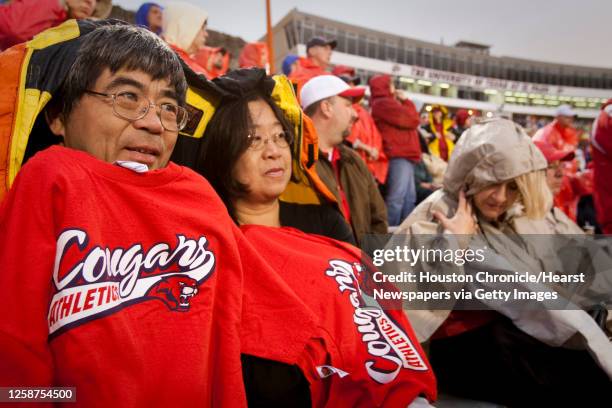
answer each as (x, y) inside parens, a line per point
(461, 116)
(551, 154)
(356, 94)
(347, 74)
(343, 70)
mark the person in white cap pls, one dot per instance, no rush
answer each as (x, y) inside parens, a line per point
(560, 133)
(328, 101)
(562, 136)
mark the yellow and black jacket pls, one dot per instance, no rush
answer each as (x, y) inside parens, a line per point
(33, 72)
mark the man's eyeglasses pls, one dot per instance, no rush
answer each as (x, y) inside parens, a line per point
(132, 106)
(282, 140)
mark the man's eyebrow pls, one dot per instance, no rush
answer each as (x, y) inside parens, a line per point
(169, 93)
(121, 80)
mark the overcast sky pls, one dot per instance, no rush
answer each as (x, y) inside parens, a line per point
(564, 31)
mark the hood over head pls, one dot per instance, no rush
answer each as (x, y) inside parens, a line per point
(380, 86)
(143, 12)
(461, 116)
(490, 152)
(253, 55)
(182, 21)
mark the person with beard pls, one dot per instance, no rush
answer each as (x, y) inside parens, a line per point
(328, 101)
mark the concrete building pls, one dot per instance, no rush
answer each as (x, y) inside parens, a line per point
(464, 75)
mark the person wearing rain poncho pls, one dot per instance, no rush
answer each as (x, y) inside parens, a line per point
(184, 29)
(494, 190)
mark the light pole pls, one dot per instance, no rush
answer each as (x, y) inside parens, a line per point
(270, 37)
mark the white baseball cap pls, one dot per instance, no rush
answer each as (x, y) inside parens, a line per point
(325, 86)
(565, 110)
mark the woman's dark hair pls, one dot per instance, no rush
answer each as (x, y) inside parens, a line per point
(226, 139)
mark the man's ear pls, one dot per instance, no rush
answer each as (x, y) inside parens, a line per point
(55, 121)
(326, 108)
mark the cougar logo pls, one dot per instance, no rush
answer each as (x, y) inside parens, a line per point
(389, 347)
(175, 291)
(96, 280)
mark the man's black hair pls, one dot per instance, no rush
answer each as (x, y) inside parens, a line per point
(121, 46)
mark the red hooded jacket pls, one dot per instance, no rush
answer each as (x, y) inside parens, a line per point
(306, 69)
(365, 131)
(254, 55)
(397, 121)
(193, 64)
(23, 19)
(204, 59)
(602, 167)
(565, 139)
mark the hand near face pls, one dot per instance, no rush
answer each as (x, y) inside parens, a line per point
(462, 222)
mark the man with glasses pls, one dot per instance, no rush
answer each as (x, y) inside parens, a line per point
(122, 273)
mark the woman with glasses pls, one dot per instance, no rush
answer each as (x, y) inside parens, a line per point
(246, 156)
(514, 351)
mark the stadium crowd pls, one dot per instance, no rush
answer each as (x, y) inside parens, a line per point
(142, 176)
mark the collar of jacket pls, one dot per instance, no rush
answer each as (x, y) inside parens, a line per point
(345, 156)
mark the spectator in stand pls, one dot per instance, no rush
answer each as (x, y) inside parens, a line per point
(318, 51)
(20, 20)
(182, 297)
(328, 100)
(290, 64)
(365, 137)
(428, 173)
(215, 60)
(246, 153)
(463, 121)
(494, 195)
(149, 15)
(440, 126)
(185, 31)
(397, 120)
(583, 150)
(555, 158)
(554, 179)
(228, 149)
(254, 55)
(562, 135)
(601, 141)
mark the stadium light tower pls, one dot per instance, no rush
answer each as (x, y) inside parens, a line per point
(270, 37)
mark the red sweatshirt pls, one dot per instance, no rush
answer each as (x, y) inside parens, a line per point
(366, 132)
(602, 166)
(131, 287)
(21, 20)
(374, 358)
(397, 121)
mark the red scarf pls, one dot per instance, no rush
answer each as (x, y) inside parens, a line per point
(442, 146)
